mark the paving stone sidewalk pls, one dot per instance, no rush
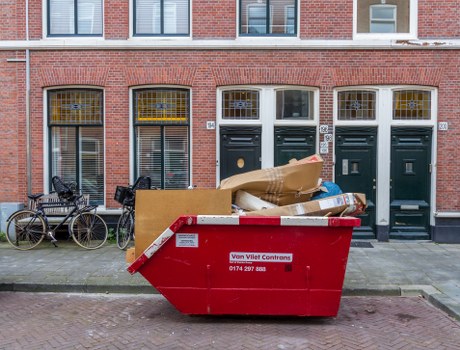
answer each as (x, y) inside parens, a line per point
(394, 268)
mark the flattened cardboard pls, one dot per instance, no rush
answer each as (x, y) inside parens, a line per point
(350, 204)
(247, 201)
(291, 183)
(156, 210)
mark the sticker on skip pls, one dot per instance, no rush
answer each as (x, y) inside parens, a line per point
(188, 240)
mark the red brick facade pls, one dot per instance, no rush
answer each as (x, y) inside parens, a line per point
(204, 70)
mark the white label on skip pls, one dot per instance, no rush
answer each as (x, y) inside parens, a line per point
(189, 240)
(260, 257)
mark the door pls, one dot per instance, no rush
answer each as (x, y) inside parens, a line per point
(240, 150)
(293, 142)
(410, 183)
(355, 170)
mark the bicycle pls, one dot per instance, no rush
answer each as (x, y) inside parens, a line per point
(27, 228)
(126, 197)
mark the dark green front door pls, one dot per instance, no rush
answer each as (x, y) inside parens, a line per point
(293, 142)
(410, 183)
(355, 170)
(240, 150)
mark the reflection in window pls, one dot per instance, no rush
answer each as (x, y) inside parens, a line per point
(240, 105)
(383, 19)
(356, 105)
(294, 104)
(268, 17)
(411, 105)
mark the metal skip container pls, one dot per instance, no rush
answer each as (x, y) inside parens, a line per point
(250, 265)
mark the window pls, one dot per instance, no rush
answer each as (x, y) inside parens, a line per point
(75, 120)
(161, 17)
(356, 105)
(161, 129)
(411, 105)
(240, 105)
(382, 19)
(294, 105)
(74, 17)
(385, 19)
(268, 17)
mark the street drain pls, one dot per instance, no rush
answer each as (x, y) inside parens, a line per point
(357, 244)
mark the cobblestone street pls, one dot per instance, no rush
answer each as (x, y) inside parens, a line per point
(98, 321)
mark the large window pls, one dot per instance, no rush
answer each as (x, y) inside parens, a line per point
(74, 17)
(386, 18)
(161, 129)
(75, 120)
(268, 17)
(161, 17)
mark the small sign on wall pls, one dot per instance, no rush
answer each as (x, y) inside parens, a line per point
(324, 147)
(323, 129)
(443, 126)
(210, 125)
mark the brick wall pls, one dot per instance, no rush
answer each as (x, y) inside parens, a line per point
(203, 72)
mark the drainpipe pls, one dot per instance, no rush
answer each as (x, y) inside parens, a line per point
(28, 136)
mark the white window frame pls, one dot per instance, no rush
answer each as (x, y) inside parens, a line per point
(267, 118)
(46, 136)
(413, 26)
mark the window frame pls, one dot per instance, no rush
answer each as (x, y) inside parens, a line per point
(75, 26)
(269, 24)
(48, 139)
(162, 22)
(135, 124)
(413, 25)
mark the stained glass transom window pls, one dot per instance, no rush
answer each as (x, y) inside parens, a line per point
(411, 105)
(240, 105)
(75, 107)
(162, 106)
(356, 105)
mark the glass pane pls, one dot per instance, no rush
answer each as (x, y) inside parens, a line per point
(75, 107)
(148, 17)
(176, 157)
(240, 105)
(411, 105)
(382, 27)
(149, 159)
(253, 17)
(356, 105)
(294, 104)
(92, 163)
(282, 16)
(162, 106)
(89, 16)
(62, 17)
(64, 153)
(176, 16)
(380, 12)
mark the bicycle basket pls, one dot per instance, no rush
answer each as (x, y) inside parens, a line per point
(123, 194)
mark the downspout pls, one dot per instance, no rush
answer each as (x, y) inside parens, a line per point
(28, 136)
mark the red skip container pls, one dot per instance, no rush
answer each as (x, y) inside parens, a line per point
(224, 265)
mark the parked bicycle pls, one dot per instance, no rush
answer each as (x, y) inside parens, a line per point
(126, 196)
(28, 227)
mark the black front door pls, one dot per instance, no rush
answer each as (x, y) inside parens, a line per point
(293, 142)
(240, 150)
(355, 170)
(410, 183)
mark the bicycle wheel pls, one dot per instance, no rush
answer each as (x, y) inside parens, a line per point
(125, 229)
(88, 230)
(25, 229)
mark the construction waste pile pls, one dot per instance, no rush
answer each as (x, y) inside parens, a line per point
(294, 189)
